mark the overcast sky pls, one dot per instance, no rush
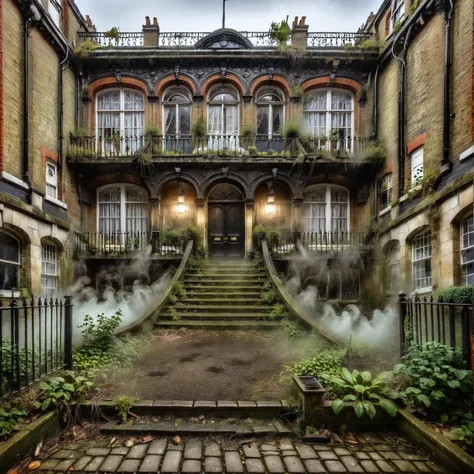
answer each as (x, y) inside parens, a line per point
(206, 15)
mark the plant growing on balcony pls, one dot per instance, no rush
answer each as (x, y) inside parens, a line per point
(253, 151)
(376, 154)
(113, 33)
(152, 131)
(85, 48)
(199, 128)
(415, 5)
(171, 237)
(81, 132)
(280, 32)
(296, 91)
(247, 132)
(290, 130)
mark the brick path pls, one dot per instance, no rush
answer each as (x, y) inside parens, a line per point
(375, 453)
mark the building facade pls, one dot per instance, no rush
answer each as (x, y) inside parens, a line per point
(346, 141)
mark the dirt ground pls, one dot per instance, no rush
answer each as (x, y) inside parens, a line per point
(210, 365)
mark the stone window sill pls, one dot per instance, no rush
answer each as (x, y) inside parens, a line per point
(8, 294)
(13, 179)
(57, 202)
(423, 291)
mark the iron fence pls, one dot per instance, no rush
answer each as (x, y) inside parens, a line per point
(334, 241)
(127, 244)
(335, 39)
(282, 246)
(425, 320)
(122, 40)
(35, 341)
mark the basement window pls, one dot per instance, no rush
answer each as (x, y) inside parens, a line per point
(51, 181)
(54, 11)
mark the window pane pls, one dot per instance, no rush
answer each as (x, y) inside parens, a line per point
(340, 101)
(9, 248)
(134, 100)
(315, 123)
(184, 119)
(135, 195)
(170, 120)
(9, 276)
(109, 101)
(55, 12)
(315, 101)
(215, 120)
(262, 120)
(422, 261)
(231, 120)
(277, 118)
(49, 270)
(468, 233)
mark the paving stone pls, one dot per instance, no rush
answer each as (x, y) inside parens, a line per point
(321, 448)
(121, 451)
(212, 449)
(268, 404)
(144, 403)
(274, 465)
(182, 404)
(138, 451)
(64, 465)
(335, 466)
(375, 456)
(254, 465)
(251, 450)
(342, 451)
(383, 447)
(171, 461)
(212, 464)
(434, 467)
(268, 447)
(66, 454)
(289, 452)
(313, 465)
(305, 451)
(422, 466)
(191, 467)
(384, 466)
(74, 446)
(52, 463)
(193, 449)
(175, 447)
(404, 466)
(162, 403)
(204, 404)
(351, 464)
(94, 464)
(150, 463)
(233, 463)
(281, 427)
(129, 465)
(246, 404)
(413, 456)
(390, 455)
(293, 464)
(285, 444)
(97, 452)
(362, 455)
(369, 466)
(111, 463)
(268, 428)
(327, 455)
(158, 446)
(226, 404)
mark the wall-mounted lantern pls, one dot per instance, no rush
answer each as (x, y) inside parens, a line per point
(181, 206)
(270, 208)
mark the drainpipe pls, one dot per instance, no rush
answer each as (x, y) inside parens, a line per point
(26, 106)
(61, 108)
(448, 17)
(375, 111)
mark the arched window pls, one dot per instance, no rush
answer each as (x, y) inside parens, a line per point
(385, 191)
(177, 119)
(123, 211)
(49, 270)
(120, 120)
(326, 209)
(421, 261)
(10, 261)
(392, 267)
(467, 249)
(270, 112)
(223, 111)
(328, 113)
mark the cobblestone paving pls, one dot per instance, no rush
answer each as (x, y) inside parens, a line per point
(374, 453)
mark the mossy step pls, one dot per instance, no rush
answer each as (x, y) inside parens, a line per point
(222, 281)
(216, 301)
(233, 295)
(217, 308)
(217, 316)
(230, 288)
(220, 324)
(234, 276)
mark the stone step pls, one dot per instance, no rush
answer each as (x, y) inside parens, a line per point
(220, 324)
(234, 276)
(198, 293)
(223, 271)
(217, 316)
(222, 281)
(230, 288)
(179, 307)
(201, 299)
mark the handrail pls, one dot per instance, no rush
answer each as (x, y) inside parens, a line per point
(293, 307)
(151, 314)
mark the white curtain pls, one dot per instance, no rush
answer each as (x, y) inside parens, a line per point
(232, 126)
(315, 123)
(314, 216)
(170, 121)
(109, 217)
(339, 217)
(215, 120)
(137, 218)
(262, 120)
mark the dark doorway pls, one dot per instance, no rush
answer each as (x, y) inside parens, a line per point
(226, 222)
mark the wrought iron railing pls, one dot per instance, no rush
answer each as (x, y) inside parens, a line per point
(334, 241)
(335, 40)
(215, 145)
(282, 247)
(35, 341)
(425, 320)
(127, 244)
(180, 39)
(123, 40)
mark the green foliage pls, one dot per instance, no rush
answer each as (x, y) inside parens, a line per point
(253, 151)
(174, 314)
(363, 391)
(280, 31)
(436, 381)
(152, 131)
(171, 237)
(466, 433)
(178, 289)
(247, 132)
(459, 294)
(199, 128)
(101, 331)
(62, 392)
(172, 299)
(327, 362)
(291, 329)
(85, 48)
(269, 296)
(397, 26)
(369, 43)
(9, 419)
(261, 232)
(376, 154)
(296, 91)
(290, 130)
(278, 311)
(113, 33)
(81, 152)
(195, 234)
(122, 405)
(415, 5)
(82, 132)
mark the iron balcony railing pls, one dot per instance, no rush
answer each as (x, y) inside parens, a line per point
(334, 241)
(35, 341)
(215, 145)
(187, 40)
(127, 244)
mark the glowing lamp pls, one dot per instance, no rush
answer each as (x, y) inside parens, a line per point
(181, 207)
(270, 207)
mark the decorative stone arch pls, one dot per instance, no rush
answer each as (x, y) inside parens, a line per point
(276, 81)
(229, 78)
(156, 188)
(231, 178)
(457, 236)
(171, 80)
(335, 179)
(339, 83)
(112, 178)
(295, 190)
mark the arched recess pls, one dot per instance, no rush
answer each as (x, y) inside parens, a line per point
(178, 205)
(325, 81)
(16, 259)
(229, 78)
(156, 187)
(264, 80)
(171, 80)
(292, 185)
(231, 178)
(463, 246)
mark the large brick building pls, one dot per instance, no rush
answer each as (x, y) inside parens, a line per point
(342, 140)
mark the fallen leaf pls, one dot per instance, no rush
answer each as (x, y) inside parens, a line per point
(13, 471)
(112, 441)
(129, 443)
(34, 465)
(350, 438)
(38, 449)
(147, 439)
(176, 440)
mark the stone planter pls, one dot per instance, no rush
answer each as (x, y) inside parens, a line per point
(311, 395)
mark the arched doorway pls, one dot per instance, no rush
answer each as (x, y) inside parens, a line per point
(226, 234)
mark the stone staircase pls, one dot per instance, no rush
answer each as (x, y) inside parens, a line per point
(221, 295)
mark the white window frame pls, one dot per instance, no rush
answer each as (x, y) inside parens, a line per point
(417, 166)
(55, 12)
(422, 242)
(170, 92)
(467, 230)
(49, 270)
(4, 292)
(328, 218)
(386, 179)
(397, 13)
(51, 182)
(259, 103)
(134, 145)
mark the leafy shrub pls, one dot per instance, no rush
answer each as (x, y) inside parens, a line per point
(178, 289)
(363, 391)
(113, 33)
(459, 294)
(253, 150)
(152, 130)
(199, 128)
(171, 237)
(260, 232)
(291, 329)
(296, 91)
(436, 381)
(327, 362)
(85, 48)
(101, 331)
(280, 31)
(290, 130)
(122, 405)
(369, 43)
(376, 154)
(247, 132)
(278, 311)
(9, 419)
(269, 296)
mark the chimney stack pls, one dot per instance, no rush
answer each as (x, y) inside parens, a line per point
(151, 32)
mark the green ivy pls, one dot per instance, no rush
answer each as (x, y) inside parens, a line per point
(458, 294)
(9, 420)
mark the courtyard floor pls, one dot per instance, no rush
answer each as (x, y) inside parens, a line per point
(210, 365)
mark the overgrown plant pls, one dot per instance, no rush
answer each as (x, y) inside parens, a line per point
(199, 128)
(171, 237)
(376, 154)
(458, 294)
(122, 405)
(113, 33)
(290, 130)
(101, 331)
(296, 91)
(359, 388)
(86, 48)
(9, 419)
(280, 32)
(328, 362)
